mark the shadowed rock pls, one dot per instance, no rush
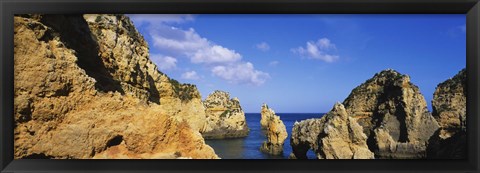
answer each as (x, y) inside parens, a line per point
(449, 109)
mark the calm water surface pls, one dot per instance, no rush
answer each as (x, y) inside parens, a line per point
(249, 147)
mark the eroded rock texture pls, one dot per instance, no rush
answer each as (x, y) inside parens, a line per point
(275, 131)
(86, 88)
(395, 119)
(450, 104)
(393, 114)
(304, 137)
(124, 51)
(225, 117)
(334, 136)
(449, 109)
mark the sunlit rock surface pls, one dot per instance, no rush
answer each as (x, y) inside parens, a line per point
(393, 114)
(225, 117)
(86, 88)
(275, 131)
(334, 136)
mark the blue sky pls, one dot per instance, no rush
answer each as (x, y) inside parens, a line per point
(302, 63)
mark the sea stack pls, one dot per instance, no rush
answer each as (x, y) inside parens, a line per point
(393, 114)
(449, 109)
(96, 93)
(275, 131)
(390, 109)
(225, 117)
(334, 136)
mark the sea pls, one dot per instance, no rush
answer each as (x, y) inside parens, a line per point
(249, 147)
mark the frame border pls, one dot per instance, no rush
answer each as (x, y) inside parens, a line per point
(469, 7)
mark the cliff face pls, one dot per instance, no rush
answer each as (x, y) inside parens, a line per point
(393, 114)
(275, 132)
(334, 136)
(449, 109)
(85, 88)
(225, 117)
(125, 56)
(450, 104)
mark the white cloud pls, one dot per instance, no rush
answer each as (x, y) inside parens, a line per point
(177, 41)
(318, 50)
(273, 63)
(241, 73)
(263, 46)
(187, 43)
(215, 54)
(190, 44)
(325, 43)
(190, 75)
(164, 62)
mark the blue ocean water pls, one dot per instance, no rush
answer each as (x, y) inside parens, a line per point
(249, 147)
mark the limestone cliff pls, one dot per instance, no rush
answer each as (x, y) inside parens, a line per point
(449, 109)
(450, 104)
(225, 117)
(393, 114)
(124, 53)
(275, 131)
(334, 136)
(86, 88)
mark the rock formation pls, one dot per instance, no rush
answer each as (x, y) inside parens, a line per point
(334, 136)
(450, 104)
(265, 114)
(275, 132)
(86, 88)
(393, 114)
(124, 50)
(225, 117)
(449, 109)
(304, 137)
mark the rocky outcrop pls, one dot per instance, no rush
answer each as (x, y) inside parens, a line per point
(450, 104)
(393, 114)
(225, 117)
(275, 132)
(449, 109)
(334, 136)
(123, 50)
(86, 88)
(265, 114)
(304, 137)
(395, 119)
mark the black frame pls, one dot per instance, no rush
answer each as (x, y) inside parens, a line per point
(469, 7)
